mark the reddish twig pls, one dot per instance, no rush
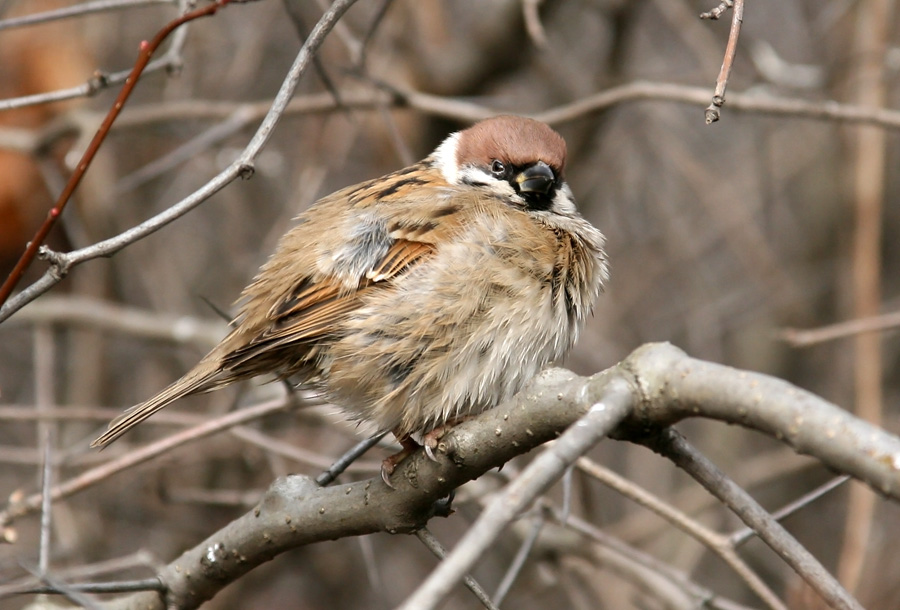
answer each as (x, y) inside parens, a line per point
(712, 111)
(146, 51)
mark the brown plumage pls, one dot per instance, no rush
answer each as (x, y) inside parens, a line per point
(425, 295)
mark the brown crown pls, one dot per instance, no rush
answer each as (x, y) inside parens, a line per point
(514, 140)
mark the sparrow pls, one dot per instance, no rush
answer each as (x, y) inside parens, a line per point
(414, 300)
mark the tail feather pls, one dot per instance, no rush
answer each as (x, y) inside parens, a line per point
(200, 378)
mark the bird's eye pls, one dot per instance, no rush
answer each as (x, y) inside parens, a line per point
(498, 169)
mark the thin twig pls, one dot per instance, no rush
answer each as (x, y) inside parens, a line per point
(298, 454)
(803, 338)
(745, 533)
(673, 446)
(756, 472)
(184, 153)
(140, 455)
(434, 545)
(609, 547)
(518, 561)
(533, 25)
(146, 51)
(98, 82)
(718, 11)
(567, 483)
(714, 541)
(140, 559)
(737, 18)
(377, 19)
(343, 33)
(118, 586)
(78, 311)
(467, 111)
(58, 586)
(44, 365)
(78, 10)
(343, 462)
(292, 7)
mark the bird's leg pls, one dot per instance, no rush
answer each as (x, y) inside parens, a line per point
(430, 440)
(390, 462)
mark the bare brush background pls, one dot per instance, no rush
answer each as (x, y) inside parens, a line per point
(720, 238)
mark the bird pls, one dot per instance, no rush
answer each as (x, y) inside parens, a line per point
(423, 297)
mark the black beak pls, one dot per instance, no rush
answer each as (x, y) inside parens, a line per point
(538, 178)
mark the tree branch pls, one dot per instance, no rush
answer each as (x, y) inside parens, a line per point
(655, 386)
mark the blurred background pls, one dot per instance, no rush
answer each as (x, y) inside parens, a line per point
(720, 238)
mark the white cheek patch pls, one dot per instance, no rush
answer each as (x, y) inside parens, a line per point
(563, 201)
(445, 157)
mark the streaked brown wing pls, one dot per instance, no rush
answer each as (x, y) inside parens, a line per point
(311, 309)
(400, 256)
(315, 310)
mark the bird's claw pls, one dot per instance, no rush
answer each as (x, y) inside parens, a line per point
(390, 463)
(432, 439)
(386, 471)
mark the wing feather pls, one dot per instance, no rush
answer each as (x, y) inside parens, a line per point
(313, 311)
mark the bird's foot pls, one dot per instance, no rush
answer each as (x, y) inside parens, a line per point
(432, 439)
(390, 463)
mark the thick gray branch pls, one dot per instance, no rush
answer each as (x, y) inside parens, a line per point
(658, 385)
(295, 511)
(675, 387)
